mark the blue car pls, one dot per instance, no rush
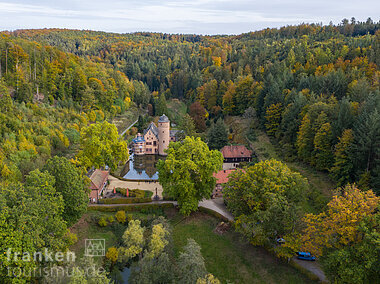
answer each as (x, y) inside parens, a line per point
(305, 256)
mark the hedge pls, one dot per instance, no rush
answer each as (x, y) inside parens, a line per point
(124, 200)
(130, 208)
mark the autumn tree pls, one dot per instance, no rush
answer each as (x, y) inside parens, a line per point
(158, 241)
(198, 114)
(187, 172)
(133, 240)
(356, 263)
(337, 227)
(273, 118)
(101, 146)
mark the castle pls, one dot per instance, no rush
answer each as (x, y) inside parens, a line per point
(155, 139)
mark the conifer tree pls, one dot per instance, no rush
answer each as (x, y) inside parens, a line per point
(217, 136)
(322, 147)
(343, 168)
(305, 139)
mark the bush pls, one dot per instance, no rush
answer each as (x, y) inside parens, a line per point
(110, 219)
(112, 254)
(120, 216)
(102, 222)
(129, 217)
(130, 208)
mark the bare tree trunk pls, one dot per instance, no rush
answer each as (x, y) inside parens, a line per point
(6, 61)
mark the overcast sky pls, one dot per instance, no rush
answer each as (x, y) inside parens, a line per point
(183, 16)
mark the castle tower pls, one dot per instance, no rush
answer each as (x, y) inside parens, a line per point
(163, 134)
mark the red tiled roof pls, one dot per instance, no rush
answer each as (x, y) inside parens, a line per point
(236, 151)
(93, 195)
(98, 178)
(222, 176)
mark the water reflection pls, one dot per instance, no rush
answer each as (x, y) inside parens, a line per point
(141, 167)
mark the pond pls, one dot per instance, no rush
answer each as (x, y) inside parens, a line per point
(141, 167)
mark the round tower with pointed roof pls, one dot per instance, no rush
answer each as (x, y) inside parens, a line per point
(163, 134)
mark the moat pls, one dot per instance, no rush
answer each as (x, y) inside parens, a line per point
(141, 167)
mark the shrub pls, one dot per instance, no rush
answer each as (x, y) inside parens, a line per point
(112, 254)
(102, 222)
(130, 208)
(120, 216)
(129, 217)
(110, 219)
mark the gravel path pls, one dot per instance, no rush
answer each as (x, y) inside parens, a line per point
(125, 130)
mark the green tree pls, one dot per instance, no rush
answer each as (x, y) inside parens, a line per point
(323, 156)
(265, 200)
(133, 240)
(187, 125)
(191, 264)
(304, 141)
(217, 135)
(101, 146)
(150, 271)
(158, 241)
(273, 118)
(187, 172)
(70, 183)
(342, 170)
(161, 106)
(366, 146)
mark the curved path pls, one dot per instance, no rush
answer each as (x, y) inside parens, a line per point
(217, 205)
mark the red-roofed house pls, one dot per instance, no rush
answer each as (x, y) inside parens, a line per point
(234, 154)
(98, 184)
(221, 179)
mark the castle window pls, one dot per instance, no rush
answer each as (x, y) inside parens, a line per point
(154, 143)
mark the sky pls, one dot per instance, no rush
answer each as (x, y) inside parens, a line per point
(182, 16)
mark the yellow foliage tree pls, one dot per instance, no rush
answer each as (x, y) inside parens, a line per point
(112, 254)
(120, 216)
(338, 225)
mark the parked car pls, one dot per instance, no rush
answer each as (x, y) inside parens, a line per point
(305, 256)
(280, 241)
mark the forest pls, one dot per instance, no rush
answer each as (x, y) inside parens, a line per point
(312, 88)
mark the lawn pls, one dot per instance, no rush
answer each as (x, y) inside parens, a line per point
(122, 121)
(229, 257)
(177, 109)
